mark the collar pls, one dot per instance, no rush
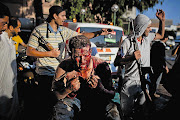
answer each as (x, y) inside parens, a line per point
(6, 35)
(51, 30)
(139, 40)
(160, 42)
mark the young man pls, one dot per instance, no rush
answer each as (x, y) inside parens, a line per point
(83, 83)
(8, 72)
(135, 54)
(56, 34)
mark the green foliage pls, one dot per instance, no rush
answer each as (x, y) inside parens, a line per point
(73, 8)
(103, 7)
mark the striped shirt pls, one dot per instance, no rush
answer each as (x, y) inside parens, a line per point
(47, 65)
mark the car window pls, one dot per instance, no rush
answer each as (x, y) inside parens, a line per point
(111, 40)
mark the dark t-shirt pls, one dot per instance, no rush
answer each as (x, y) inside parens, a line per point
(93, 100)
(158, 56)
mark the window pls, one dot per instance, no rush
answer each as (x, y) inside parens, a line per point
(111, 40)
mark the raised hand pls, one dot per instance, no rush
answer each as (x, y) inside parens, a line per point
(93, 81)
(160, 14)
(106, 31)
(74, 83)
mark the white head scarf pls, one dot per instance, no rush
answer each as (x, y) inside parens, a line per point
(141, 22)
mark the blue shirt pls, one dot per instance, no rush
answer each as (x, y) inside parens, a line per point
(51, 30)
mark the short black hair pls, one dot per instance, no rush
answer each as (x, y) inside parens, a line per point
(78, 42)
(4, 11)
(13, 22)
(54, 10)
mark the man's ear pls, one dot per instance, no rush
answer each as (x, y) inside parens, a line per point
(11, 27)
(55, 16)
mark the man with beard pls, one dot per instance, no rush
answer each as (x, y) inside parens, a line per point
(83, 83)
(8, 72)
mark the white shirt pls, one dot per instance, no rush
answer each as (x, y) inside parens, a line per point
(8, 71)
(131, 68)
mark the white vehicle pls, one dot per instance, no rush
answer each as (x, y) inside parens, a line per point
(170, 43)
(107, 46)
(154, 29)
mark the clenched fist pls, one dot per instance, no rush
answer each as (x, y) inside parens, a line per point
(55, 52)
(137, 54)
(93, 81)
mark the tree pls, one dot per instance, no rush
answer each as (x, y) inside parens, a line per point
(38, 11)
(102, 7)
(73, 8)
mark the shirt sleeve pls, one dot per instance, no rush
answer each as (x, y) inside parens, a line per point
(68, 33)
(33, 40)
(105, 81)
(20, 39)
(151, 37)
(125, 47)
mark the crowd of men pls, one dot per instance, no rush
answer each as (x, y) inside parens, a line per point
(73, 84)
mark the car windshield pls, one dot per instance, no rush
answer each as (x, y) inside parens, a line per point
(111, 40)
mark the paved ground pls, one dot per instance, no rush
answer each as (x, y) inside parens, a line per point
(165, 106)
(164, 98)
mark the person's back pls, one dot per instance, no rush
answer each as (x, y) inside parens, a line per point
(17, 40)
(173, 76)
(158, 54)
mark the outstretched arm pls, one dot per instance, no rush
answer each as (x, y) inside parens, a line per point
(95, 34)
(160, 14)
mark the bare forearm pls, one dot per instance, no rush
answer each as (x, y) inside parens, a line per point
(23, 44)
(33, 52)
(125, 60)
(160, 14)
(109, 93)
(88, 35)
(92, 35)
(161, 31)
(63, 94)
(161, 28)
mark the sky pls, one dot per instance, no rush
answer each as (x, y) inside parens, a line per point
(171, 8)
